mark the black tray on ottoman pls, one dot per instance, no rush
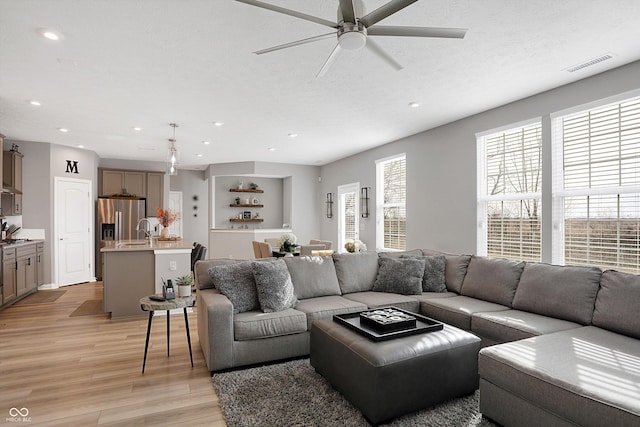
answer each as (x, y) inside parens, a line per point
(418, 324)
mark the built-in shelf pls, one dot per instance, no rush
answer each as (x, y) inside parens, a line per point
(244, 205)
(246, 220)
(237, 190)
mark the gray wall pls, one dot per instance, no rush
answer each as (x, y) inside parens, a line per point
(194, 221)
(441, 166)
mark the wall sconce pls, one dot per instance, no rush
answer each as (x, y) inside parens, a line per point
(364, 202)
(329, 205)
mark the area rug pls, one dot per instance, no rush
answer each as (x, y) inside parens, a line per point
(293, 394)
(88, 308)
(42, 297)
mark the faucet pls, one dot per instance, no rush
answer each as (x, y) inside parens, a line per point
(147, 230)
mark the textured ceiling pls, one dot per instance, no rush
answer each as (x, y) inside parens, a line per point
(147, 63)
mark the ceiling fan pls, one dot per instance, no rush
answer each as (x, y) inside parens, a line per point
(354, 30)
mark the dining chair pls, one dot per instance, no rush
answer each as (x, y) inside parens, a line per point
(327, 243)
(257, 252)
(265, 250)
(307, 249)
(275, 243)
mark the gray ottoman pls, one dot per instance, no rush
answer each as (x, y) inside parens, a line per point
(391, 378)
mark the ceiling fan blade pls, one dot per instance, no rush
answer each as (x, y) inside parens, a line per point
(330, 60)
(348, 12)
(290, 12)
(382, 54)
(295, 43)
(385, 10)
(447, 33)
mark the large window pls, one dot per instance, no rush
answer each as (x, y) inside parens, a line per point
(596, 176)
(391, 200)
(509, 192)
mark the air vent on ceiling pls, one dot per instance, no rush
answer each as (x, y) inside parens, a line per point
(590, 62)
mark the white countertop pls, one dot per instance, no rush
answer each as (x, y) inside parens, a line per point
(145, 245)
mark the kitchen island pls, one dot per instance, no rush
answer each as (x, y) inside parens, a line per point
(133, 269)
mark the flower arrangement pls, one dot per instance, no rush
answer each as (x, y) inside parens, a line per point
(288, 242)
(167, 217)
(355, 246)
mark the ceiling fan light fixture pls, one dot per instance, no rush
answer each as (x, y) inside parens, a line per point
(352, 36)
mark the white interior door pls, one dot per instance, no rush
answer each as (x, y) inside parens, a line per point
(74, 246)
(175, 204)
(348, 214)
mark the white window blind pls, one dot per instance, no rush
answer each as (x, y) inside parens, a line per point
(597, 187)
(391, 231)
(509, 193)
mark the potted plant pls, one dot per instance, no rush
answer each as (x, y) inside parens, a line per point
(184, 285)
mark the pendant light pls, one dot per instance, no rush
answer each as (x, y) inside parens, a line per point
(173, 153)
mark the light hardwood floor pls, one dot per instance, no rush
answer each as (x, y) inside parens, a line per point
(86, 370)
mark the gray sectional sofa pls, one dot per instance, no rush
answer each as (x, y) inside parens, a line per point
(561, 345)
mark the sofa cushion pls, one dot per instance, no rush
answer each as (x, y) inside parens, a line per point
(400, 275)
(273, 282)
(235, 281)
(356, 271)
(586, 376)
(313, 276)
(457, 311)
(253, 325)
(399, 254)
(513, 325)
(384, 299)
(617, 303)
(562, 292)
(455, 268)
(492, 279)
(325, 307)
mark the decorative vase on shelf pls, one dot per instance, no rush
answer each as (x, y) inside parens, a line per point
(164, 233)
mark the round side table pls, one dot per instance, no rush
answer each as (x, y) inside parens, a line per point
(147, 304)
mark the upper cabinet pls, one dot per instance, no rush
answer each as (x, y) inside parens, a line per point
(12, 171)
(12, 181)
(122, 182)
(139, 183)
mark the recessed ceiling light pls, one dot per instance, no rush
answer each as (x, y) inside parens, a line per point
(63, 129)
(35, 103)
(414, 104)
(206, 142)
(271, 149)
(198, 155)
(293, 135)
(80, 146)
(218, 123)
(137, 128)
(50, 34)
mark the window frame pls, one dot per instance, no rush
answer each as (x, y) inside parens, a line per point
(380, 201)
(483, 198)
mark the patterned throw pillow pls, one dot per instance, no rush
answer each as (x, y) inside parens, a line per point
(235, 281)
(275, 288)
(400, 275)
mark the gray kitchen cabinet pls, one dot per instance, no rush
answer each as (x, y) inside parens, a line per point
(40, 264)
(9, 275)
(155, 192)
(12, 181)
(112, 182)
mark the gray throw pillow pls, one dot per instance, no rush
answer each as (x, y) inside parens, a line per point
(235, 281)
(274, 285)
(433, 279)
(400, 275)
(455, 269)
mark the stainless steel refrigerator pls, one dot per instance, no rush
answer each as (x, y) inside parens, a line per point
(117, 219)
